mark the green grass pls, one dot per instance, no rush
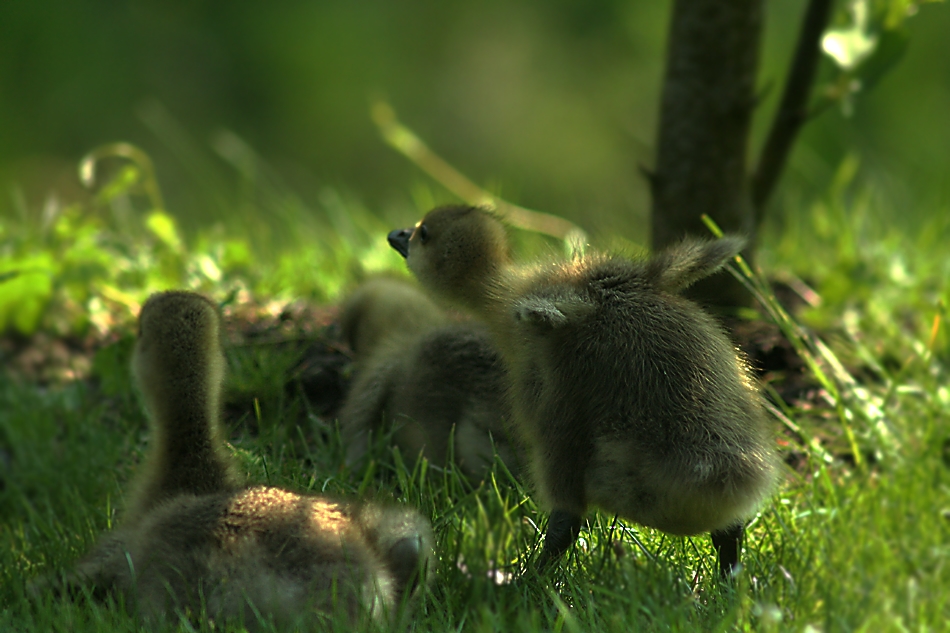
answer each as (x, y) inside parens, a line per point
(844, 545)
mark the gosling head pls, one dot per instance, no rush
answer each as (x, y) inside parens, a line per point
(455, 251)
(403, 540)
(178, 350)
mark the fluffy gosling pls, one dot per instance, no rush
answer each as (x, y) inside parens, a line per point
(197, 540)
(439, 384)
(628, 396)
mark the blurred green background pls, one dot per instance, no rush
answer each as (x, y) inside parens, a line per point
(551, 104)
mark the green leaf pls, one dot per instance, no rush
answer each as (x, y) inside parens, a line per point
(163, 227)
(121, 184)
(890, 50)
(26, 291)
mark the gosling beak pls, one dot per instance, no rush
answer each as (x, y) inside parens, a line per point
(399, 239)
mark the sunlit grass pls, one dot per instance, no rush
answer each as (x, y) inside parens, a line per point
(862, 544)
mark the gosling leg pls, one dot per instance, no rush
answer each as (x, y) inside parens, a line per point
(563, 528)
(728, 543)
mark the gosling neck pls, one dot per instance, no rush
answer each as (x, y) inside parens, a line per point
(188, 454)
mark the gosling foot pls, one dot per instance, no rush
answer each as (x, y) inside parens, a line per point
(562, 531)
(728, 544)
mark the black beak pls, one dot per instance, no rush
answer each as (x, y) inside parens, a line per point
(399, 239)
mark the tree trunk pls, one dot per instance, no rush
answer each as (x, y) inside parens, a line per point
(706, 113)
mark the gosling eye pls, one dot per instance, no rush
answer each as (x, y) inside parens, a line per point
(423, 233)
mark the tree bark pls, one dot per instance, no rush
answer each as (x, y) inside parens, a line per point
(706, 114)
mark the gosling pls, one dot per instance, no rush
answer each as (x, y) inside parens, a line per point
(196, 539)
(439, 384)
(627, 396)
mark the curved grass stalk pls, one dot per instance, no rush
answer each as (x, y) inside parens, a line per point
(407, 143)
